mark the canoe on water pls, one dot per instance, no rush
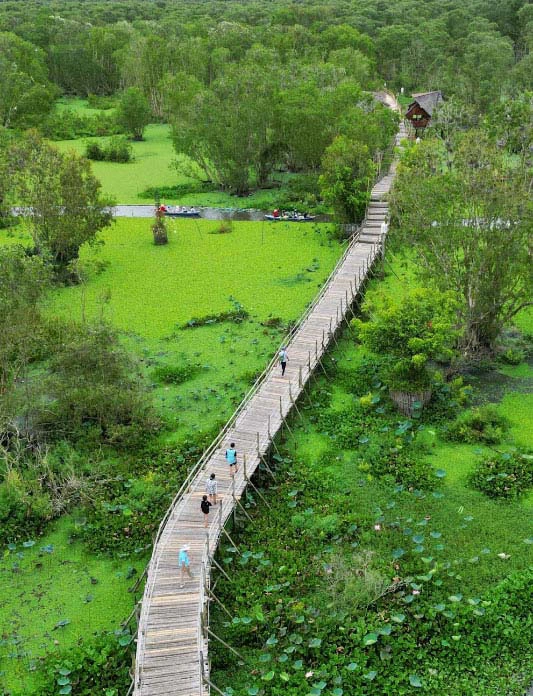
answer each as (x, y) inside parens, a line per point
(182, 213)
(290, 218)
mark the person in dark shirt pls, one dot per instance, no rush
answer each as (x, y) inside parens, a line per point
(205, 505)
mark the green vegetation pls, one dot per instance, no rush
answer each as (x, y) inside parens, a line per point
(151, 162)
(117, 497)
(53, 593)
(384, 569)
(397, 556)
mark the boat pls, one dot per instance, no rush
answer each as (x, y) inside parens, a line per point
(290, 218)
(181, 212)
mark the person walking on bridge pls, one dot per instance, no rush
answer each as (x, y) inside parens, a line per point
(231, 458)
(283, 358)
(184, 563)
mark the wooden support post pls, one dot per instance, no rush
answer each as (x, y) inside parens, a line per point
(221, 569)
(268, 428)
(300, 382)
(244, 466)
(213, 596)
(233, 510)
(268, 468)
(134, 587)
(260, 494)
(293, 402)
(214, 635)
(243, 509)
(316, 349)
(207, 542)
(224, 531)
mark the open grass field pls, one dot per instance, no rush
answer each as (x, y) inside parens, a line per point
(148, 293)
(152, 165)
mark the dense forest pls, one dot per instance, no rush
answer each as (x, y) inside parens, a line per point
(114, 378)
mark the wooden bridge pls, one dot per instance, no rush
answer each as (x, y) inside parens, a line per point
(173, 632)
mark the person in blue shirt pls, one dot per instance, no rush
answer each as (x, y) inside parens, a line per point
(231, 458)
(184, 563)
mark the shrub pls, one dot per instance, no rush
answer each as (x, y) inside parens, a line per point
(128, 522)
(98, 664)
(117, 149)
(69, 125)
(174, 374)
(512, 356)
(94, 151)
(504, 475)
(409, 470)
(477, 425)
(99, 101)
(225, 227)
(411, 331)
(94, 392)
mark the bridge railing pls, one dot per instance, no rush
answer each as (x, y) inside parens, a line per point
(185, 486)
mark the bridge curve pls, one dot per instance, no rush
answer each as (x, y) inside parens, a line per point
(173, 630)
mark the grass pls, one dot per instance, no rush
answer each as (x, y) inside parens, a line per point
(78, 106)
(152, 165)
(147, 292)
(473, 529)
(39, 589)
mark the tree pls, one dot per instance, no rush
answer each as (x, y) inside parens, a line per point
(409, 332)
(133, 112)
(26, 95)
(347, 171)
(469, 220)
(23, 283)
(61, 200)
(95, 387)
(225, 129)
(484, 67)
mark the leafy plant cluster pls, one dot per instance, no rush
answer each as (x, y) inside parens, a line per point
(236, 315)
(478, 425)
(412, 331)
(98, 664)
(504, 474)
(123, 515)
(323, 611)
(68, 124)
(115, 150)
(175, 374)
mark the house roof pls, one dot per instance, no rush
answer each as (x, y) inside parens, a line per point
(428, 100)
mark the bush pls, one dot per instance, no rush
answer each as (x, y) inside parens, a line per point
(117, 149)
(69, 125)
(405, 468)
(97, 665)
(504, 475)
(174, 374)
(411, 331)
(99, 101)
(94, 392)
(512, 356)
(128, 522)
(94, 151)
(477, 425)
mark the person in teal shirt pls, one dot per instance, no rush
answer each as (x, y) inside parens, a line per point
(231, 458)
(184, 563)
